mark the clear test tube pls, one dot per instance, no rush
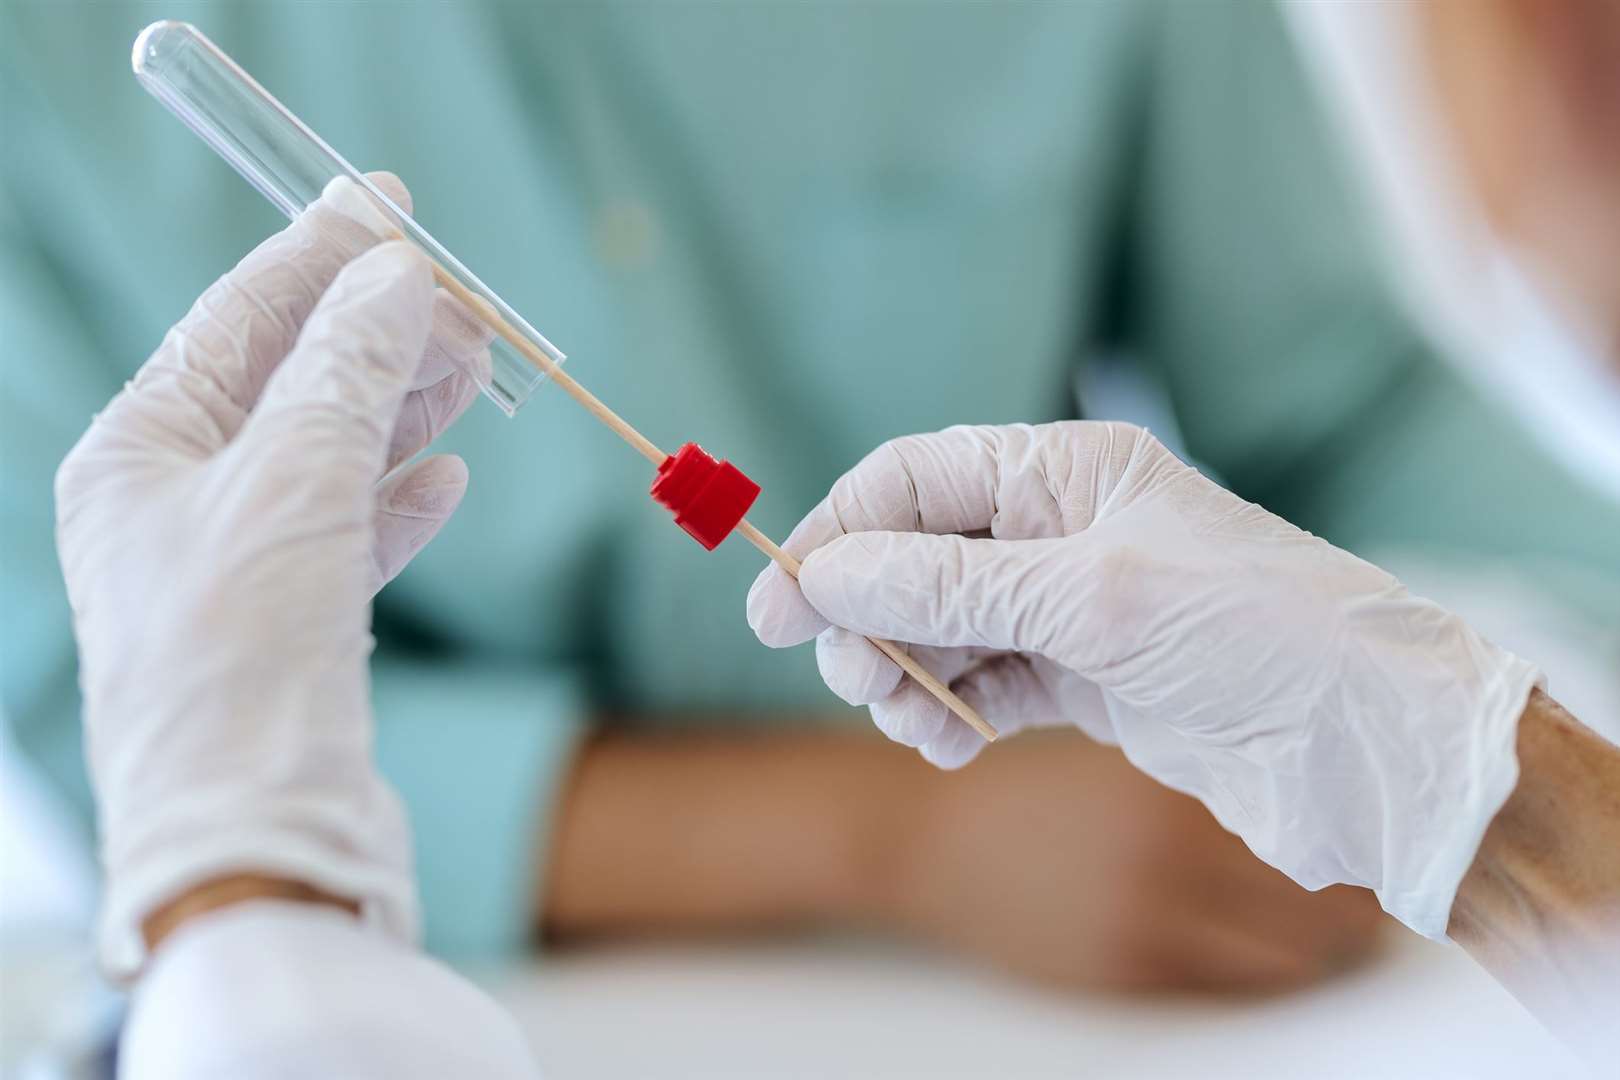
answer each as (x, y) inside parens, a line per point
(291, 165)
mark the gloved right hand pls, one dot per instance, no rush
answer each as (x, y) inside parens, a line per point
(1345, 729)
(222, 528)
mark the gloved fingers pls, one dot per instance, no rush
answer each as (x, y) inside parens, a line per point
(942, 590)
(1007, 690)
(393, 187)
(412, 506)
(1011, 482)
(1010, 691)
(955, 746)
(944, 482)
(454, 365)
(778, 613)
(1014, 693)
(910, 716)
(459, 343)
(339, 391)
(1008, 482)
(853, 668)
(427, 413)
(196, 390)
(878, 493)
(446, 381)
(856, 671)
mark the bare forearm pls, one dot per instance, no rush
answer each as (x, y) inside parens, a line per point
(696, 833)
(1052, 858)
(692, 833)
(1540, 907)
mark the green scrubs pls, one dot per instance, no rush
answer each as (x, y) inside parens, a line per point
(788, 231)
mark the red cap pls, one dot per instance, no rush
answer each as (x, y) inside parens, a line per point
(707, 497)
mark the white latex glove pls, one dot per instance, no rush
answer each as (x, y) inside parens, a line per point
(273, 990)
(222, 529)
(1346, 730)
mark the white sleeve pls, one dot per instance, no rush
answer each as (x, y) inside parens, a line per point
(276, 989)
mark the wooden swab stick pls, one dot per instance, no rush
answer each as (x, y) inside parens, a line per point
(645, 446)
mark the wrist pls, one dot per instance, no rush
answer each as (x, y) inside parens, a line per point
(1548, 854)
(1540, 906)
(225, 891)
(1446, 764)
(268, 797)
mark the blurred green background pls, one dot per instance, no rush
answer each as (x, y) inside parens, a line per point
(788, 232)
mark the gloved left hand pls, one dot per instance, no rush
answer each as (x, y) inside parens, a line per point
(222, 529)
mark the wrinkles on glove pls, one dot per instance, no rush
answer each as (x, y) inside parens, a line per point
(456, 361)
(212, 365)
(852, 669)
(194, 394)
(1012, 482)
(1015, 482)
(346, 367)
(412, 506)
(908, 713)
(454, 364)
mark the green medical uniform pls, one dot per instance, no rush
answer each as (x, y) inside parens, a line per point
(788, 231)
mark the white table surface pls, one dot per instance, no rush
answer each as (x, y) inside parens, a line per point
(859, 1009)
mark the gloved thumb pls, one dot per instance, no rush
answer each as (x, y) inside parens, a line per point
(344, 380)
(940, 590)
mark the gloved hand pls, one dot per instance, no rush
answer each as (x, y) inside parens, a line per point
(1345, 729)
(222, 527)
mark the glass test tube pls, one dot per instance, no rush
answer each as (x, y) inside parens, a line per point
(291, 165)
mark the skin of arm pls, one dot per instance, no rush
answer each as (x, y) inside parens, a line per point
(232, 889)
(1540, 907)
(706, 833)
(1051, 858)
(694, 835)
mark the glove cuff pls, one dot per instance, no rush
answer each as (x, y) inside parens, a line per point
(203, 838)
(1421, 881)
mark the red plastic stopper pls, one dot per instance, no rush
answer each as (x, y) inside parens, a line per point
(707, 497)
